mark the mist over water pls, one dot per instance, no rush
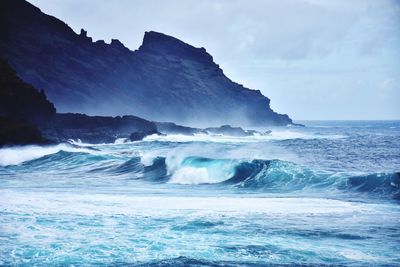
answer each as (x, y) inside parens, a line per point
(325, 194)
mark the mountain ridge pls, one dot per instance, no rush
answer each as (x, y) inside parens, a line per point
(165, 79)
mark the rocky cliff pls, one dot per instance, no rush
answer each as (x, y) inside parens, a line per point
(164, 80)
(20, 100)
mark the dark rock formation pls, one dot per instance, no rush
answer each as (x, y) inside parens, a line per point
(172, 128)
(21, 108)
(139, 135)
(229, 130)
(19, 100)
(164, 80)
(95, 129)
(15, 131)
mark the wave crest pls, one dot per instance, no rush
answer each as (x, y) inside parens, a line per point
(19, 154)
(249, 175)
(280, 176)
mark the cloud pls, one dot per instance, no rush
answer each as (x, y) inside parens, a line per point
(287, 29)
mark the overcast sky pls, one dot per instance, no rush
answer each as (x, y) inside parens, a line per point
(314, 59)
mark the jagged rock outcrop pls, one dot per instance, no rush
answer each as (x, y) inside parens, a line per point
(227, 130)
(15, 131)
(172, 128)
(230, 131)
(164, 80)
(95, 129)
(22, 107)
(19, 100)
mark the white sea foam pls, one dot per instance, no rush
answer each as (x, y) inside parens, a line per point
(119, 141)
(78, 142)
(357, 255)
(105, 204)
(288, 134)
(191, 175)
(274, 135)
(147, 159)
(247, 151)
(19, 154)
(202, 175)
(184, 170)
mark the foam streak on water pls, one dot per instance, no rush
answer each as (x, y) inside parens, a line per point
(327, 194)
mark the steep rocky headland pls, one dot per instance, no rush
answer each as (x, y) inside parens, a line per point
(164, 80)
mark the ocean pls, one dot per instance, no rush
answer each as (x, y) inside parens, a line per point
(327, 194)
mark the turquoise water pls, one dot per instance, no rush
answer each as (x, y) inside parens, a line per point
(326, 194)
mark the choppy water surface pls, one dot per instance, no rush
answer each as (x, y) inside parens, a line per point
(326, 194)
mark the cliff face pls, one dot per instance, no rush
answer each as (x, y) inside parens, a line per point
(164, 80)
(19, 100)
(21, 108)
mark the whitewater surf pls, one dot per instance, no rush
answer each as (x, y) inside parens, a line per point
(325, 194)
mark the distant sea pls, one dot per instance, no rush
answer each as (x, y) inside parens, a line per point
(325, 194)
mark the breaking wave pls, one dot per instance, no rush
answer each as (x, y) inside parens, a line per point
(19, 154)
(254, 175)
(280, 176)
